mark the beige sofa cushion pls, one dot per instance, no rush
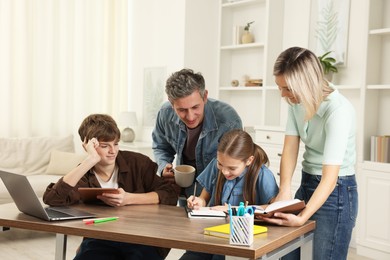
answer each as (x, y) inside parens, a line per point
(31, 155)
(63, 162)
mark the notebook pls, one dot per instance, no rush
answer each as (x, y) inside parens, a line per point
(28, 202)
(223, 230)
(204, 213)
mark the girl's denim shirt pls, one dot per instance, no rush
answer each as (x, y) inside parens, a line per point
(232, 192)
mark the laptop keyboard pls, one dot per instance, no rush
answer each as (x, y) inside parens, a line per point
(56, 214)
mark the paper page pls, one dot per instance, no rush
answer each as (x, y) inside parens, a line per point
(281, 204)
(207, 211)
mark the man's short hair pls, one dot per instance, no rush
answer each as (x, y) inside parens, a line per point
(183, 83)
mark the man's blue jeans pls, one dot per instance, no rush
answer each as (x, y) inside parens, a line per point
(334, 220)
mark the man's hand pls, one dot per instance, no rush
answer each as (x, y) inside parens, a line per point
(169, 176)
(168, 173)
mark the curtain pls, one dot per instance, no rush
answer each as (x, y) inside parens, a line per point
(60, 60)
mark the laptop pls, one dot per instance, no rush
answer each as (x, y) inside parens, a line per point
(28, 202)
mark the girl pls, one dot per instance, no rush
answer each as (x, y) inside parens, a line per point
(238, 174)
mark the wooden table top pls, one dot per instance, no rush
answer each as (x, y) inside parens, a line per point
(156, 225)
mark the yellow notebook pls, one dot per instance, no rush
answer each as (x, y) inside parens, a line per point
(224, 230)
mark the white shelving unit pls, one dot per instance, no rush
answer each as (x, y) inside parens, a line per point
(374, 178)
(364, 80)
(259, 107)
(253, 59)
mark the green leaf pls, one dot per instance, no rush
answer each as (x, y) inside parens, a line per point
(328, 63)
(248, 25)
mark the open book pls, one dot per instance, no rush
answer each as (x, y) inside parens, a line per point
(205, 213)
(223, 230)
(285, 206)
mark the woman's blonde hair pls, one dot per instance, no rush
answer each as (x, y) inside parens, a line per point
(304, 76)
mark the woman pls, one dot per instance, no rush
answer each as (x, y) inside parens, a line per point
(238, 174)
(133, 174)
(324, 121)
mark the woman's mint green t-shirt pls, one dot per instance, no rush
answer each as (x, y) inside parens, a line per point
(329, 136)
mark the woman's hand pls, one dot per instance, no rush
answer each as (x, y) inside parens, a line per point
(282, 195)
(283, 219)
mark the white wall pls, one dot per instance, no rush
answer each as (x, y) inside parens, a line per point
(172, 34)
(201, 39)
(157, 40)
(176, 34)
(296, 23)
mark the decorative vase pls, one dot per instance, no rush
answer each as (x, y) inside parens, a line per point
(127, 135)
(247, 37)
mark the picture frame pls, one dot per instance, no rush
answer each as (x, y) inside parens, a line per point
(329, 28)
(153, 96)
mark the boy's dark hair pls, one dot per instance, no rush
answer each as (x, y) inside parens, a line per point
(101, 126)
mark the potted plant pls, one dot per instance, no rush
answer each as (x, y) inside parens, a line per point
(247, 37)
(328, 64)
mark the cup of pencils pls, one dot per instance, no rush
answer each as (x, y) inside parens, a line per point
(241, 226)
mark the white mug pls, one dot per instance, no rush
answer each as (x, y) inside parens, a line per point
(184, 175)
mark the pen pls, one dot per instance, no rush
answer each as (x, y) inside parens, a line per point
(194, 191)
(99, 220)
(230, 219)
(249, 210)
(241, 209)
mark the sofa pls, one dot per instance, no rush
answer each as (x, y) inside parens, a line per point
(42, 159)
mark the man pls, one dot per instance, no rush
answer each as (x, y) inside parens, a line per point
(189, 126)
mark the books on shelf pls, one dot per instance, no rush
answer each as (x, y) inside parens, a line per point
(254, 83)
(223, 230)
(204, 213)
(237, 32)
(380, 148)
(285, 206)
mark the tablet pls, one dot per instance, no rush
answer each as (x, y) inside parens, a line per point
(90, 194)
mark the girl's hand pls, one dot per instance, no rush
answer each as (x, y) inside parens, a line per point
(195, 202)
(113, 199)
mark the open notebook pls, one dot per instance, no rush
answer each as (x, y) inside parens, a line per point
(28, 202)
(204, 213)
